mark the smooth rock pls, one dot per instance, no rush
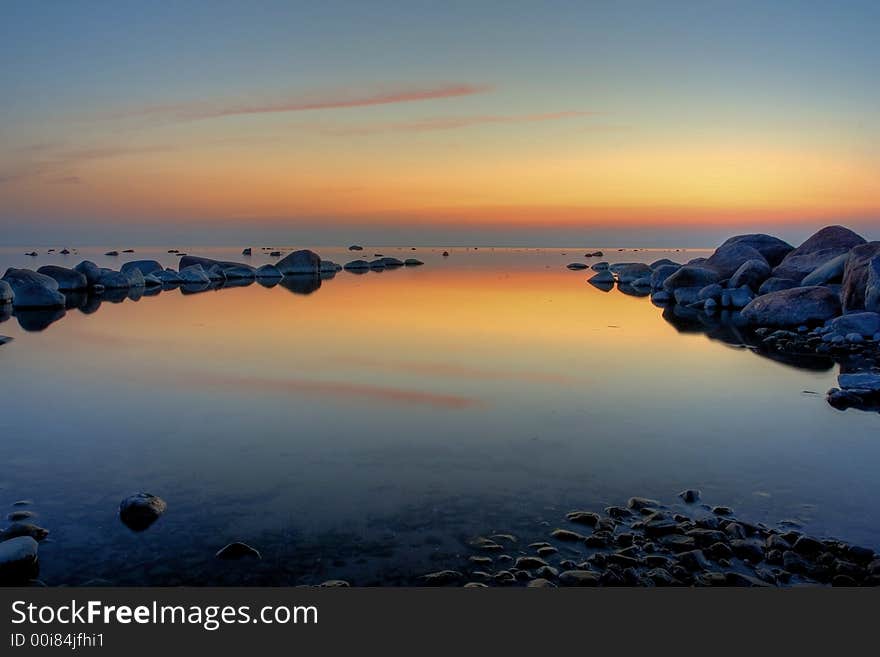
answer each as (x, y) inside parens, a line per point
(268, 271)
(750, 274)
(772, 249)
(857, 271)
(6, 293)
(19, 528)
(412, 262)
(799, 305)
(579, 578)
(143, 266)
(33, 290)
(691, 276)
(775, 284)
(600, 266)
(603, 277)
(141, 510)
(576, 265)
(357, 265)
(237, 550)
(194, 275)
(633, 272)
(729, 257)
(90, 270)
(865, 324)
(67, 279)
(113, 280)
(862, 381)
(820, 248)
(299, 263)
(830, 272)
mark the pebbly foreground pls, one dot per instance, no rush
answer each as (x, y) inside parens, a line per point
(818, 302)
(646, 543)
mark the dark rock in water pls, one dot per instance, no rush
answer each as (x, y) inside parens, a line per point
(268, 271)
(6, 293)
(34, 320)
(576, 265)
(303, 262)
(600, 266)
(193, 275)
(823, 246)
(114, 280)
(530, 563)
(237, 550)
(33, 290)
(661, 273)
(722, 510)
(567, 535)
(799, 305)
(584, 518)
(18, 560)
(728, 258)
(357, 265)
(355, 247)
(442, 577)
(579, 578)
(19, 528)
(602, 277)
(693, 560)
(691, 276)
(775, 284)
(865, 324)
(145, 267)
(663, 262)
(661, 297)
(5, 339)
(90, 270)
(246, 252)
(275, 254)
(866, 382)
(751, 274)
(855, 276)
(67, 279)
(747, 550)
(20, 515)
(141, 510)
(685, 296)
(772, 249)
(689, 496)
(334, 584)
(445, 254)
(377, 264)
(128, 250)
(713, 291)
(633, 272)
(736, 297)
(639, 503)
(112, 253)
(413, 262)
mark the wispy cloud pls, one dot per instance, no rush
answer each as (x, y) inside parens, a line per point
(444, 123)
(346, 98)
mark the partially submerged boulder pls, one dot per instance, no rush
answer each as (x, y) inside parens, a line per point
(143, 266)
(141, 510)
(67, 279)
(90, 270)
(633, 272)
(793, 307)
(33, 290)
(728, 258)
(300, 263)
(18, 560)
(691, 276)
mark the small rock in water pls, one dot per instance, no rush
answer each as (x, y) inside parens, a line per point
(334, 584)
(446, 254)
(566, 535)
(23, 529)
(141, 510)
(576, 265)
(442, 577)
(638, 503)
(20, 515)
(690, 496)
(412, 262)
(237, 550)
(722, 510)
(530, 563)
(18, 560)
(584, 518)
(4, 339)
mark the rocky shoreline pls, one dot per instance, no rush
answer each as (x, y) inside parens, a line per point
(820, 300)
(647, 543)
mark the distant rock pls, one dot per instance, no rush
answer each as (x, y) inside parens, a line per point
(246, 252)
(576, 265)
(143, 266)
(775, 284)
(751, 274)
(135, 278)
(413, 262)
(445, 254)
(793, 307)
(140, 511)
(355, 247)
(238, 550)
(600, 266)
(855, 276)
(691, 276)
(357, 265)
(772, 249)
(33, 290)
(112, 253)
(378, 263)
(728, 258)
(391, 263)
(5, 339)
(90, 270)
(299, 263)
(18, 560)
(821, 247)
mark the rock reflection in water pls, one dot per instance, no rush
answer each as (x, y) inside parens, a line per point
(301, 284)
(38, 319)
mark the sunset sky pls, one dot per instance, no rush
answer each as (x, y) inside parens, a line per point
(543, 123)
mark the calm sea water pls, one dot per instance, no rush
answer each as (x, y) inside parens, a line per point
(366, 428)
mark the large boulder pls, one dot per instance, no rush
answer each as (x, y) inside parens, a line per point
(90, 270)
(633, 272)
(830, 272)
(168, 277)
(114, 280)
(33, 290)
(18, 560)
(661, 273)
(728, 258)
(135, 278)
(771, 248)
(6, 293)
(240, 272)
(663, 262)
(691, 276)
(793, 307)
(865, 324)
(821, 247)
(194, 274)
(303, 262)
(751, 273)
(67, 279)
(145, 267)
(855, 276)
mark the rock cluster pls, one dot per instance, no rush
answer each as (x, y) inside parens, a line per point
(649, 544)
